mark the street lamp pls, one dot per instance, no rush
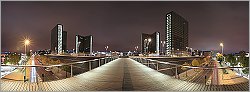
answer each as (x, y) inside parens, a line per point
(26, 43)
(149, 40)
(187, 50)
(172, 52)
(163, 44)
(136, 47)
(106, 49)
(177, 52)
(78, 47)
(221, 44)
(146, 43)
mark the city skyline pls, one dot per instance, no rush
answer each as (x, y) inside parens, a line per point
(115, 24)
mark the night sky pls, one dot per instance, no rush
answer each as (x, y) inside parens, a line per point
(120, 24)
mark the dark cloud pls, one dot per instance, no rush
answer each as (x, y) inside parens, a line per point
(120, 24)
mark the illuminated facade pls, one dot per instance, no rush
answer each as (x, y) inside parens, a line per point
(176, 34)
(58, 39)
(84, 44)
(150, 43)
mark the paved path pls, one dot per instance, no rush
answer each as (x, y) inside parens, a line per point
(118, 75)
(231, 77)
(16, 75)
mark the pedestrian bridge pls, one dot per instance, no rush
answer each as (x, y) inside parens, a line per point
(123, 74)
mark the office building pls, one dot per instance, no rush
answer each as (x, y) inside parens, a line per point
(150, 43)
(176, 34)
(84, 44)
(58, 39)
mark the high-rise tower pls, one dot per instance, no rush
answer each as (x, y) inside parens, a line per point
(176, 34)
(58, 39)
(84, 44)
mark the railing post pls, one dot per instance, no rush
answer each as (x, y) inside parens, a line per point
(99, 62)
(71, 70)
(89, 65)
(157, 66)
(148, 62)
(145, 60)
(105, 60)
(176, 72)
(108, 59)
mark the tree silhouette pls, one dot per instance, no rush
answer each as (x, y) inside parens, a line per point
(243, 59)
(13, 59)
(231, 59)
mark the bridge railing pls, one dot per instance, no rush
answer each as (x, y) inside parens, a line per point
(175, 69)
(61, 71)
(158, 65)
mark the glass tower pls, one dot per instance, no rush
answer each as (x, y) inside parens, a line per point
(176, 33)
(84, 44)
(58, 39)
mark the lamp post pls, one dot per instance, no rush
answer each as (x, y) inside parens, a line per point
(26, 43)
(172, 52)
(106, 49)
(187, 50)
(191, 51)
(77, 49)
(163, 44)
(149, 40)
(146, 43)
(221, 44)
(136, 47)
(177, 52)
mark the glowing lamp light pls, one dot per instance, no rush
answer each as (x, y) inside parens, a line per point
(149, 40)
(27, 42)
(221, 44)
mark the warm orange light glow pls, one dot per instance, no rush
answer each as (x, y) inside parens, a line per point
(26, 42)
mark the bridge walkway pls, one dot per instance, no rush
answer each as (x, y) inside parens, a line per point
(122, 74)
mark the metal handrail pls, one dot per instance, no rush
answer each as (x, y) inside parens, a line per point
(69, 64)
(167, 63)
(177, 65)
(62, 64)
